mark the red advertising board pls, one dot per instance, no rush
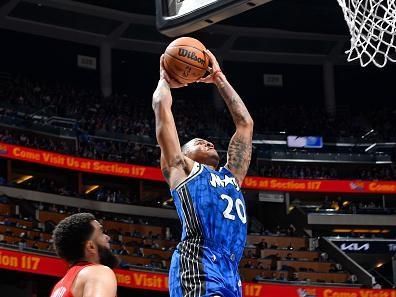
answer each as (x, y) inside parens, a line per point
(152, 173)
(319, 185)
(45, 265)
(78, 164)
(53, 266)
(277, 290)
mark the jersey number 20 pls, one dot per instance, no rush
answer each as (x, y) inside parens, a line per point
(240, 208)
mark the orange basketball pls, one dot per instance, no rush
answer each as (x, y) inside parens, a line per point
(185, 60)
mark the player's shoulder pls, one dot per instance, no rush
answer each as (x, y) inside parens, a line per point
(194, 170)
(226, 171)
(94, 271)
(94, 274)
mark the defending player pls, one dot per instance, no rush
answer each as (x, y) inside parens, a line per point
(79, 239)
(209, 203)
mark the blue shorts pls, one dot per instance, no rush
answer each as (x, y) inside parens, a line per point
(203, 272)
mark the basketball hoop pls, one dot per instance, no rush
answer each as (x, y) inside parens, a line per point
(372, 24)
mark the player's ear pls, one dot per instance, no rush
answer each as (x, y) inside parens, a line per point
(90, 247)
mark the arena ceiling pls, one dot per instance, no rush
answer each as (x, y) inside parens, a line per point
(281, 31)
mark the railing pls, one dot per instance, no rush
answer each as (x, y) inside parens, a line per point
(364, 277)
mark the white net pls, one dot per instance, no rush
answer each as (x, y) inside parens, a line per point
(372, 24)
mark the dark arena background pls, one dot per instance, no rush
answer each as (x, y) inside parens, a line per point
(77, 133)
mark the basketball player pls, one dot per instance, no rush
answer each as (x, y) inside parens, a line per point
(209, 203)
(79, 239)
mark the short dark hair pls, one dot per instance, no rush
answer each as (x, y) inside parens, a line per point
(184, 148)
(71, 234)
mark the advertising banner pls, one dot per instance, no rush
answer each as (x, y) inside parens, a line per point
(52, 266)
(366, 246)
(152, 173)
(79, 164)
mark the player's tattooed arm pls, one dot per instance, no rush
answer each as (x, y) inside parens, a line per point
(235, 105)
(165, 168)
(240, 148)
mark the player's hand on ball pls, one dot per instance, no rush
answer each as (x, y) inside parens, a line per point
(164, 75)
(214, 69)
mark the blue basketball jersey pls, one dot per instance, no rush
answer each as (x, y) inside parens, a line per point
(212, 211)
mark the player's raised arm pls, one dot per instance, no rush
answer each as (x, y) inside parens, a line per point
(240, 147)
(171, 155)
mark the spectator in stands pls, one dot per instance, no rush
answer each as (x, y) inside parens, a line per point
(323, 257)
(22, 244)
(260, 277)
(140, 252)
(352, 279)
(332, 268)
(249, 264)
(294, 277)
(307, 280)
(146, 244)
(119, 235)
(274, 261)
(291, 230)
(326, 203)
(289, 257)
(260, 246)
(335, 204)
(249, 254)
(278, 231)
(155, 245)
(260, 265)
(123, 251)
(282, 276)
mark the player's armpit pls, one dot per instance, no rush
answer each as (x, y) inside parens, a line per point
(165, 172)
(166, 169)
(100, 281)
(240, 152)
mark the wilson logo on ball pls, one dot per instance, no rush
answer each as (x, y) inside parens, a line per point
(191, 55)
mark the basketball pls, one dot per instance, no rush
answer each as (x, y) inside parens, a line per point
(185, 60)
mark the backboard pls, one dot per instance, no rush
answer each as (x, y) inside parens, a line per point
(180, 17)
